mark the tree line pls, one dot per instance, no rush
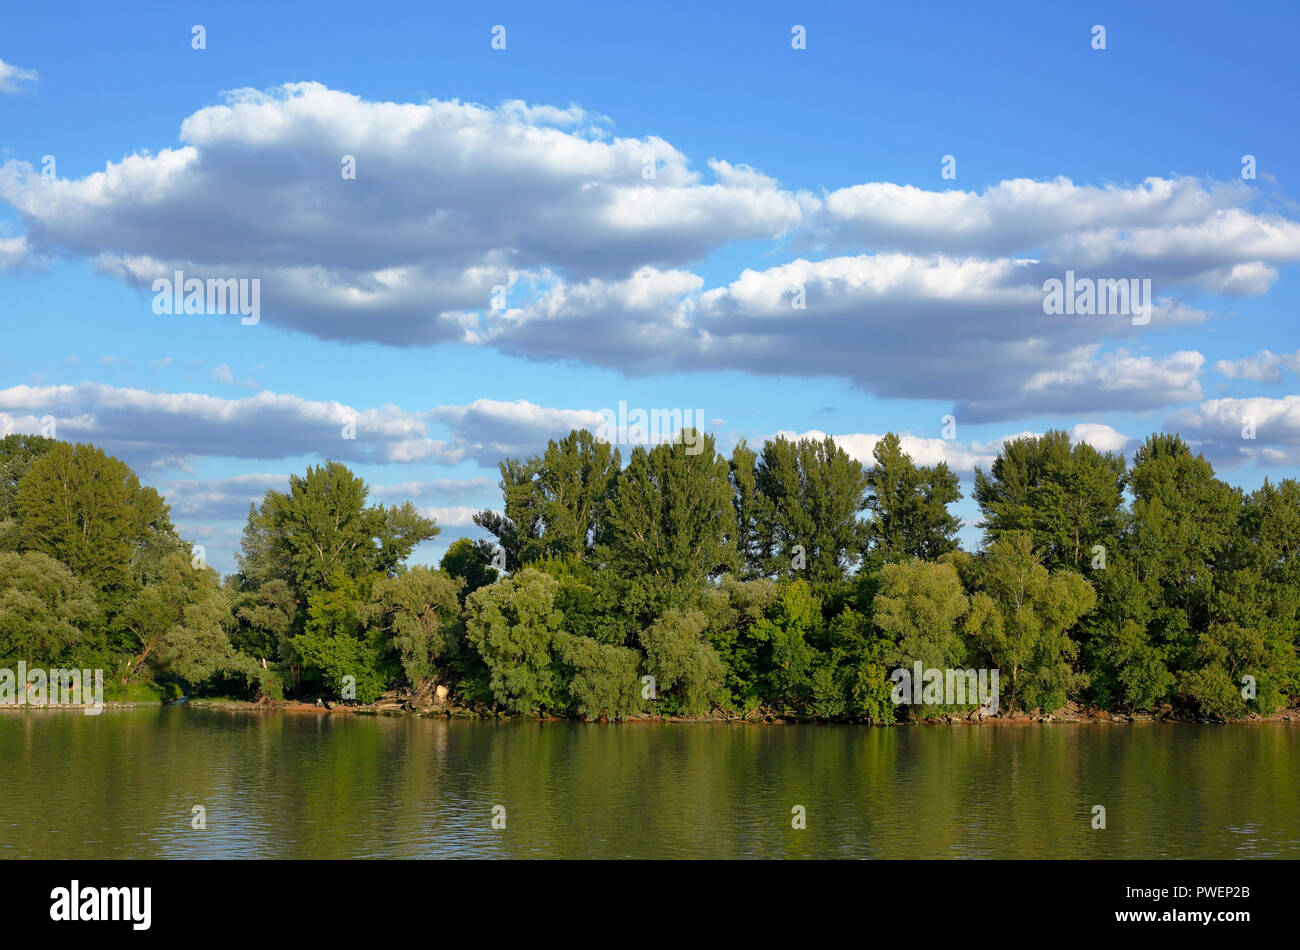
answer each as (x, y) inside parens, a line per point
(789, 580)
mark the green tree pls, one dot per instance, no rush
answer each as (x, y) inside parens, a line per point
(786, 629)
(323, 527)
(336, 644)
(513, 625)
(418, 612)
(689, 676)
(670, 525)
(471, 563)
(1068, 498)
(602, 679)
(181, 617)
(47, 614)
(751, 547)
(1021, 614)
(88, 511)
(810, 494)
(17, 453)
(908, 504)
(917, 609)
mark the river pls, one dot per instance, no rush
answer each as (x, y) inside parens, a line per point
(126, 783)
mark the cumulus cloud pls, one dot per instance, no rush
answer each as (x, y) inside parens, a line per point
(449, 201)
(1264, 367)
(1016, 214)
(195, 500)
(961, 457)
(14, 254)
(1261, 429)
(159, 430)
(1102, 437)
(13, 78)
(968, 330)
(441, 488)
(534, 230)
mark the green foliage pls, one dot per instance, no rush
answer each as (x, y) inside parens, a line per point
(1068, 498)
(1020, 616)
(916, 611)
(809, 493)
(418, 611)
(323, 528)
(17, 453)
(785, 629)
(732, 608)
(602, 679)
(471, 563)
(689, 675)
(264, 620)
(909, 504)
(88, 511)
(513, 625)
(680, 566)
(336, 645)
(46, 613)
(669, 525)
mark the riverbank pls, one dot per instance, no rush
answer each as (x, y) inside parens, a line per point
(397, 706)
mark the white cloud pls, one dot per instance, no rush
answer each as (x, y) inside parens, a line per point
(1101, 437)
(159, 430)
(454, 202)
(14, 254)
(1229, 431)
(13, 77)
(1264, 367)
(1016, 214)
(450, 200)
(961, 457)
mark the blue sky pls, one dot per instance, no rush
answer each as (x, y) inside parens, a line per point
(775, 169)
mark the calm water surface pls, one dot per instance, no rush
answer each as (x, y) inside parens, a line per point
(276, 785)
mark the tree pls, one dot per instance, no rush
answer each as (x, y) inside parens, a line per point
(417, 611)
(470, 562)
(520, 525)
(513, 625)
(909, 505)
(334, 641)
(670, 524)
(88, 511)
(751, 547)
(602, 678)
(46, 612)
(264, 620)
(17, 453)
(155, 611)
(810, 495)
(689, 676)
(916, 610)
(322, 528)
(786, 629)
(1068, 499)
(1185, 522)
(1021, 614)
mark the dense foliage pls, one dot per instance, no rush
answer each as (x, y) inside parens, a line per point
(791, 579)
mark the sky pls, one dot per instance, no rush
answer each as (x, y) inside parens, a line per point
(474, 229)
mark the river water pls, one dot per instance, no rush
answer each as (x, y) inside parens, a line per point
(278, 785)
